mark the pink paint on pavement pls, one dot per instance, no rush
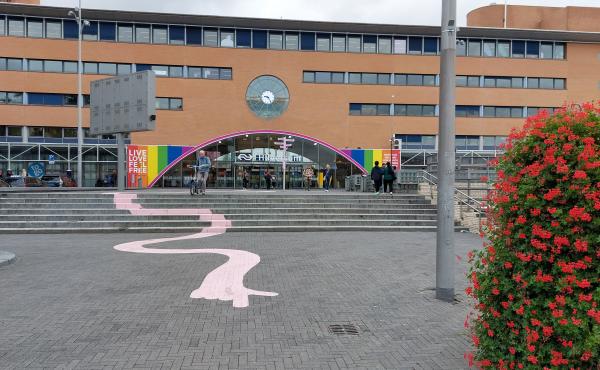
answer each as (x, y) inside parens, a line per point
(226, 282)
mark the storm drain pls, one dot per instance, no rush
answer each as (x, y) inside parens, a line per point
(343, 329)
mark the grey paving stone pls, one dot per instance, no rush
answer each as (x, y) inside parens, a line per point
(72, 301)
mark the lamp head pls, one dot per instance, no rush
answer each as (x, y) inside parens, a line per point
(71, 13)
(86, 23)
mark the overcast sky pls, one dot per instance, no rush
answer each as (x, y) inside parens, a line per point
(423, 12)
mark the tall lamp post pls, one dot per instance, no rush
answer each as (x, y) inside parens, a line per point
(76, 13)
(444, 272)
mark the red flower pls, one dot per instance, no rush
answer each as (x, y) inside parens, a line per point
(586, 356)
(512, 350)
(551, 194)
(583, 284)
(547, 331)
(579, 175)
(532, 359)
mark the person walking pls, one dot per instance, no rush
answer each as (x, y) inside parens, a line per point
(245, 179)
(268, 178)
(308, 174)
(202, 169)
(388, 178)
(327, 177)
(377, 176)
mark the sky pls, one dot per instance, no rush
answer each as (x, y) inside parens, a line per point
(420, 12)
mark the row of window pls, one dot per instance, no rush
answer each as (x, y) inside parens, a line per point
(277, 40)
(58, 135)
(70, 100)
(430, 110)
(462, 142)
(402, 79)
(103, 68)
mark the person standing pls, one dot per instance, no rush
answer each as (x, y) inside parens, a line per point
(202, 169)
(268, 178)
(245, 179)
(327, 177)
(377, 176)
(388, 178)
(308, 174)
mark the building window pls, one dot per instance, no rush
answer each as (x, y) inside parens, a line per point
(225, 73)
(467, 81)
(123, 69)
(417, 142)
(125, 32)
(399, 45)
(169, 103)
(55, 66)
(243, 38)
(559, 83)
(414, 110)
(176, 35)
(338, 43)
(546, 83)
(193, 35)
(16, 27)
(142, 34)
(518, 49)
(354, 42)
(467, 142)
(533, 49)
(503, 112)
(90, 68)
(467, 111)
(35, 28)
(532, 111)
(474, 48)
(308, 77)
(546, 50)
(107, 69)
(107, 31)
(369, 44)
(53, 29)
(415, 45)
(559, 50)
(430, 45)
(45, 99)
(211, 37)
(369, 78)
(357, 109)
(159, 35)
(36, 131)
(2, 25)
(90, 32)
(384, 45)
(323, 41)
(36, 65)
(461, 47)
(384, 78)
(227, 39)
(14, 64)
(489, 48)
(307, 41)
(354, 78)
(259, 39)
(291, 41)
(323, 77)
(276, 40)
(503, 50)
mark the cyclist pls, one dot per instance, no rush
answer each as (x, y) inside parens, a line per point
(202, 168)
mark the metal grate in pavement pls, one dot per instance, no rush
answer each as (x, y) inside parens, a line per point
(343, 329)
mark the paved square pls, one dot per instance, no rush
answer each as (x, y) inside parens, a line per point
(72, 301)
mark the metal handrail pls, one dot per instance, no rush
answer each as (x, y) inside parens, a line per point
(432, 180)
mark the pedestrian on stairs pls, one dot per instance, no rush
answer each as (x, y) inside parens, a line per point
(308, 174)
(388, 178)
(327, 177)
(377, 176)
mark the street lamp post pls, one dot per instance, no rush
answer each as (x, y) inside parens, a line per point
(76, 13)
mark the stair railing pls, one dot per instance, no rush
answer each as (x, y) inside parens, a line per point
(461, 197)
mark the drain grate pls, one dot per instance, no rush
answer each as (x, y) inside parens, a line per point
(343, 329)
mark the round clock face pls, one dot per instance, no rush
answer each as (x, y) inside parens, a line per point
(267, 97)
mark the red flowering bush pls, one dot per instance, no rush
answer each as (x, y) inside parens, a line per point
(536, 282)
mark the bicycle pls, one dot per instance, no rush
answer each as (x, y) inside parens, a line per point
(194, 184)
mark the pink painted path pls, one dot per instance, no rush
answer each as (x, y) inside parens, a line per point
(226, 282)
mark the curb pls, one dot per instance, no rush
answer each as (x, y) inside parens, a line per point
(6, 258)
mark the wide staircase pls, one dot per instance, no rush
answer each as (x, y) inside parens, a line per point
(76, 212)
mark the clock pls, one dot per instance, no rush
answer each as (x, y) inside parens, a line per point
(267, 97)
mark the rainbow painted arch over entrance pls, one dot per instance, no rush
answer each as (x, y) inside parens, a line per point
(185, 151)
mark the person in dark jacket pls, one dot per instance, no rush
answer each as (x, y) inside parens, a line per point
(377, 176)
(268, 178)
(388, 178)
(327, 177)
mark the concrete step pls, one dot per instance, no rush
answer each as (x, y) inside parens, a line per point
(55, 200)
(206, 203)
(94, 217)
(422, 205)
(58, 205)
(312, 210)
(333, 222)
(333, 228)
(89, 224)
(101, 230)
(70, 211)
(337, 216)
